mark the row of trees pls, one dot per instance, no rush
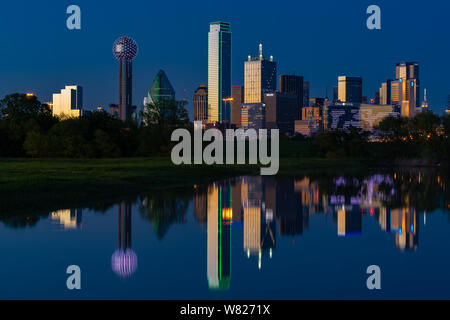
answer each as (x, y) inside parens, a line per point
(27, 128)
(425, 136)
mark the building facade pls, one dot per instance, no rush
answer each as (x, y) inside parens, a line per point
(281, 111)
(253, 116)
(161, 89)
(355, 115)
(201, 104)
(385, 92)
(408, 88)
(68, 103)
(350, 89)
(219, 71)
(236, 105)
(293, 85)
(260, 76)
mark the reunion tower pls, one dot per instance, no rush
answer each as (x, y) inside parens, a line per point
(125, 50)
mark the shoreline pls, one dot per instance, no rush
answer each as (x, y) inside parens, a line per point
(48, 183)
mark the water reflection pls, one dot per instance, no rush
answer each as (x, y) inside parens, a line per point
(124, 259)
(260, 203)
(69, 219)
(253, 219)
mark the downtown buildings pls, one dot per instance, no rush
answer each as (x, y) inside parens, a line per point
(261, 104)
(68, 103)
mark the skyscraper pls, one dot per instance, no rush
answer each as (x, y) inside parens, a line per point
(305, 93)
(236, 105)
(293, 85)
(125, 50)
(219, 71)
(69, 102)
(260, 76)
(407, 75)
(385, 92)
(161, 89)
(201, 104)
(281, 111)
(350, 89)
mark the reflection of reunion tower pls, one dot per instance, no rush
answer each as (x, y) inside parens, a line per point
(124, 260)
(125, 50)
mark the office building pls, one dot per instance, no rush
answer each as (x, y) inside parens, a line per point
(407, 88)
(161, 89)
(125, 50)
(305, 93)
(307, 127)
(260, 76)
(219, 71)
(350, 89)
(293, 85)
(371, 115)
(335, 93)
(236, 105)
(385, 92)
(201, 104)
(253, 116)
(281, 111)
(355, 115)
(68, 103)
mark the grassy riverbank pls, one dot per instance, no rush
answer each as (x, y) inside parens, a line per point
(19, 175)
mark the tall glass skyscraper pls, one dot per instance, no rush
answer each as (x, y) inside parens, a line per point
(219, 72)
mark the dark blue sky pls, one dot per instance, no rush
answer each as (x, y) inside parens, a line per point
(317, 39)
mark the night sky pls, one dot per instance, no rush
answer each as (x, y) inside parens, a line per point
(317, 39)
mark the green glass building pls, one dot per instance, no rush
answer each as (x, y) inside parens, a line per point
(161, 89)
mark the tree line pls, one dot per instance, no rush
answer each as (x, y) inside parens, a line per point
(28, 129)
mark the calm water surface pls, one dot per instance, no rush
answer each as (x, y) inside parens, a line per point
(308, 237)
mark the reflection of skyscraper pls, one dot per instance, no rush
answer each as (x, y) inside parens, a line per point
(200, 204)
(259, 220)
(349, 221)
(291, 220)
(219, 71)
(68, 219)
(405, 225)
(124, 260)
(219, 236)
(125, 49)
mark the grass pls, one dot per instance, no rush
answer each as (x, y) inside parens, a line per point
(46, 184)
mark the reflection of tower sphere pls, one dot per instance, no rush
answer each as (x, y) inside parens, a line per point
(125, 48)
(124, 263)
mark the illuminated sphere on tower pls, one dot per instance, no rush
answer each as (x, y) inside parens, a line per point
(125, 48)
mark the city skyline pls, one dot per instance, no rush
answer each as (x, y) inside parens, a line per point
(320, 67)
